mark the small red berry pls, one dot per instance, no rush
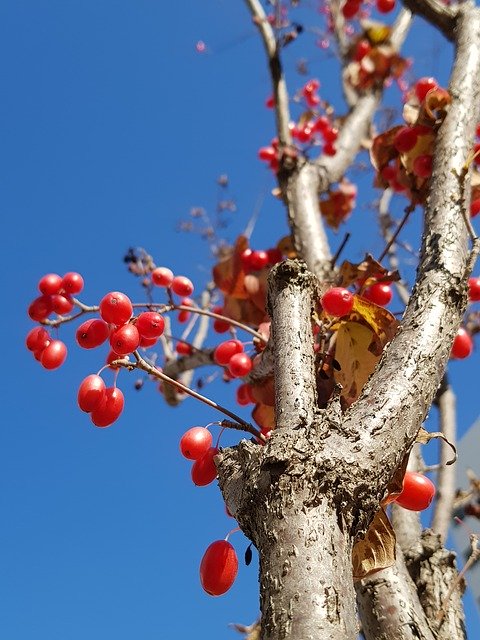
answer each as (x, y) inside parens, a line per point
(218, 568)
(40, 308)
(267, 154)
(54, 354)
(109, 408)
(37, 339)
(417, 492)
(475, 208)
(422, 166)
(116, 308)
(61, 304)
(125, 339)
(462, 345)
(182, 286)
(405, 139)
(92, 333)
(350, 8)
(226, 350)
(474, 289)
(183, 348)
(337, 301)
(423, 86)
(90, 393)
(204, 470)
(50, 284)
(150, 324)
(239, 365)
(195, 443)
(162, 277)
(362, 49)
(379, 293)
(244, 395)
(72, 283)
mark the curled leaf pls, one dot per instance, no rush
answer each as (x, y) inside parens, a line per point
(377, 550)
(424, 437)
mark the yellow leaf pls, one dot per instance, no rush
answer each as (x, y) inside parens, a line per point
(383, 324)
(377, 550)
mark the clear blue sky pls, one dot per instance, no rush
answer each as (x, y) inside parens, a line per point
(113, 127)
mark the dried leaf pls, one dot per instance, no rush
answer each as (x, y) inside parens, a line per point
(435, 104)
(349, 272)
(383, 324)
(377, 550)
(395, 486)
(357, 362)
(376, 32)
(264, 416)
(264, 393)
(228, 274)
(424, 437)
(339, 203)
(245, 311)
(286, 246)
(383, 151)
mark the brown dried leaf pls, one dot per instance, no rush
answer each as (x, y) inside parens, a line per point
(228, 274)
(395, 486)
(245, 311)
(286, 246)
(377, 550)
(350, 272)
(435, 105)
(383, 151)
(424, 437)
(339, 203)
(264, 393)
(264, 416)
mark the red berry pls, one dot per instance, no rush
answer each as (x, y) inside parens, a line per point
(204, 470)
(72, 283)
(330, 134)
(417, 492)
(218, 568)
(125, 339)
(245, 259)
(37, 339)
(147, 342)
(195, 443)
(267, 154)
(389, 173)
(183, 348)
(239, 365)
(474, 289)
(423, 86)
(109, 409)
(362, 49)
(329, 149)
(337, 301)
(61, 304)
(462, 345)
(350, 8)
(92, 333)
(220, 326)
(321, 123)
(379, 293)
(54, 354)
(162, 277)
(182, 286)
(475, 208)
(305, 133)
(312, 86)
(40, 308)
(312, 100)
(405, 139)
(90, 393)
(226, 350)
(244, 395)
(258, 260)
(116, 308)
(422, 166)
(50, 284)
(385, 6)
(274, 255)
(270, 102)
(150, 324)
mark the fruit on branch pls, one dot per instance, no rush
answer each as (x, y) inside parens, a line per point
(37, 338)
(109, 409)
(92, 333)
(162, 277)
(53, 355)
(462, 344)
(150, 324)
(423, 86)
(385, 6)
(417, 493)
(182, 286)
(183, 348)
(195, 443)
(90, 393)
(50, 284)
(474, 289)
(226, 350)
(405, 139)
(337, 301)
(379, 293)
(116, 308)
(40, 308)
(61, 304)
(72, 283)
(204, 470)
(474, 208)
(243, 395)
(422, 166)
(218, 568)
(125, 339)
(239, 365)
(351, 8)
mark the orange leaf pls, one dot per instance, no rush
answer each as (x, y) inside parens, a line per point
(228, 274)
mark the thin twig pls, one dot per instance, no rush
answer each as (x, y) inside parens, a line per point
(408, 210)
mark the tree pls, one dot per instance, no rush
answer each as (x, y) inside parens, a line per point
(314, 490)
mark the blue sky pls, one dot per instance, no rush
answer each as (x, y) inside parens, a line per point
(114, 126)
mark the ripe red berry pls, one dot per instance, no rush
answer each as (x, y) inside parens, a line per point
(312, 86)
(40, 308)
(54, 354)
(218, 568)
(226, 350)
(405, 139)
(337, 301)
(244, 395)
(204, 470)
(37, 339)
(116, 308)
(239, 365)
(462, 345)
(125, 339)
(195, 443)
(474, 289)
(183, 348)
(350, 8)
(109, 408)
(61, 304)
(475, 208)
(422, 166)
(92, 333)
(267, 154)
(274, 255)
(379, 293)
(329, 149)
(90, 393)
(50, 284)
(72, 283)
(150, 324)
(362, 48)
(330, 134)
(423, 86)
(147, 342)
(258, 260)
(182, 286)
(162, 277)
(385, 6)
(417, 492)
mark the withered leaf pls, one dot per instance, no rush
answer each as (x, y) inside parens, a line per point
(350, 272)
(383, 324)
(228, 274)
(377, 550)
(424, 437)
(286, 246)
(264, 416)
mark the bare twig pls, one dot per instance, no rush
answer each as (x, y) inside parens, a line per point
(436, 13)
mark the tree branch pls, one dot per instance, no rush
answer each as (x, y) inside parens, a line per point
(436, 13)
